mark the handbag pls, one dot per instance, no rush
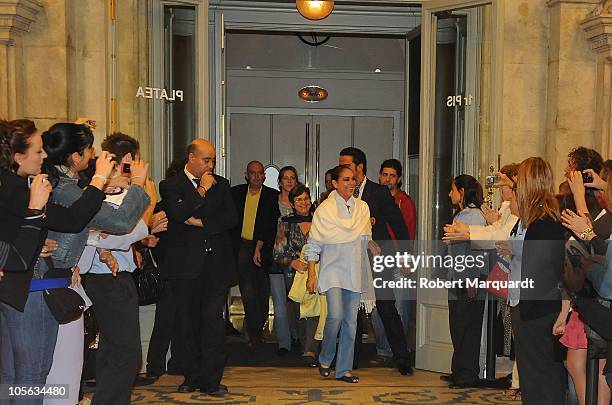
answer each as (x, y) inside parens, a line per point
(65, 304)
(148, 281)
(499, 273)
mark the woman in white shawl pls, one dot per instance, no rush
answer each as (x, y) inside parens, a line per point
(339, 237)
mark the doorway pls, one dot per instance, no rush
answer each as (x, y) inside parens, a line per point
(452, 50)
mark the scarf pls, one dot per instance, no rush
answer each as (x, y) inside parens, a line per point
(330, 228)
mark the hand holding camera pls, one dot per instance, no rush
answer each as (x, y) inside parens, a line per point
(40, 189)
(105, 164)
(139, 171)
(592, 179)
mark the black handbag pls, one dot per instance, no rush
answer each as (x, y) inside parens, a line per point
(148, 280)
(65, 304)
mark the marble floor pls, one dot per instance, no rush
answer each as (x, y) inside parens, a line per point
(266, 385)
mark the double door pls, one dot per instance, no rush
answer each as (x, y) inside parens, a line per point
(309, 142)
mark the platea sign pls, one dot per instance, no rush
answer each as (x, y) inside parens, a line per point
(159, 94)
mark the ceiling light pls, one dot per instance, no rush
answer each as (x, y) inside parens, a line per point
(313, 94)
(314, 9)
(377, 70)
(248, 67)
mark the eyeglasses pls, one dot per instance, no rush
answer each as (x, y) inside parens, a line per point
(300, 200)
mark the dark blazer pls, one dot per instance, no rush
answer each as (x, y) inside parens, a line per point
(14, 197)
(265, 221)
(185, 252)
(385, 212)
(542, 261)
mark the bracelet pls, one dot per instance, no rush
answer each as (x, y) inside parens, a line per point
(99, 176)
(586, 233)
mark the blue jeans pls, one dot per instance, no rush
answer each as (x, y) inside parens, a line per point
(27, 344)
(402, 303)
(281, 317)
(342, 307)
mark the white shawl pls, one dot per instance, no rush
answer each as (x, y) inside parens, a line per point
(328, 227)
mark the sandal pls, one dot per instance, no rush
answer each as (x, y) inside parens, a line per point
(348, 379)
(324, 371)
(513, 394)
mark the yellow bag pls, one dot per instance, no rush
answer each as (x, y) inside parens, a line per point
(311, 305)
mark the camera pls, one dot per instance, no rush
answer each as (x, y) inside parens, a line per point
(126, 168)
(31, 180)
(587, 177)
(491, 180)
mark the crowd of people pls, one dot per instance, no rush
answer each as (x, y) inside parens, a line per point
(559, 239)
(75, 227)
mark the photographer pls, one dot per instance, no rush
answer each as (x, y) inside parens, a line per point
(596, 269)
(29, 330)
(69, 150)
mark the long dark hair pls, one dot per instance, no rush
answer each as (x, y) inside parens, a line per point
(14, 138)
(472, 190)
(62, 140)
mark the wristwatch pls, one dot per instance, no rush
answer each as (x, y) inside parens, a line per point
(586, 233)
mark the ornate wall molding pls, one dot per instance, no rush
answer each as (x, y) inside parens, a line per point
(598, 30)
(16, 16)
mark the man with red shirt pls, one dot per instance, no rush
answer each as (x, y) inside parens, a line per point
(390, 175)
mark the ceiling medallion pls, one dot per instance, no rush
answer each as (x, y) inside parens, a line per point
(313, 94)
(314, 9)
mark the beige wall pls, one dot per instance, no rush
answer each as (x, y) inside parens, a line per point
(526, 37)
(62, 67)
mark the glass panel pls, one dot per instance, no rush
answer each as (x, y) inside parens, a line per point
(179, 69)
(461, 103)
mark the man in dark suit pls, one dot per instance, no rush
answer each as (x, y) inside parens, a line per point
(200, 214)
(257, 211)
(383, 212)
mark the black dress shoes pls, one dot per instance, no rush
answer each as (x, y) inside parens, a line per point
(187, 386)
(219, 392)
(145, 379)
(463, 385)
(404, 368)
(447, 378)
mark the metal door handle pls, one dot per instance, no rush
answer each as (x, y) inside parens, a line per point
(318, 156)
(307, 154)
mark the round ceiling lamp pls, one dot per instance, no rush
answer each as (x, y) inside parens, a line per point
(314, 9)
(313, 94)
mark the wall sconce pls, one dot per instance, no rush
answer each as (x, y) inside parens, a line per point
(313, 94)
(314, 9)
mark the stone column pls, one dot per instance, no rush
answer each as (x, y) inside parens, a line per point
(570, 116)
(598, 29)
(16, 16)
(525, 65)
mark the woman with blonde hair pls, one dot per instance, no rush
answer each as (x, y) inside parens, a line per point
(538, 255)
